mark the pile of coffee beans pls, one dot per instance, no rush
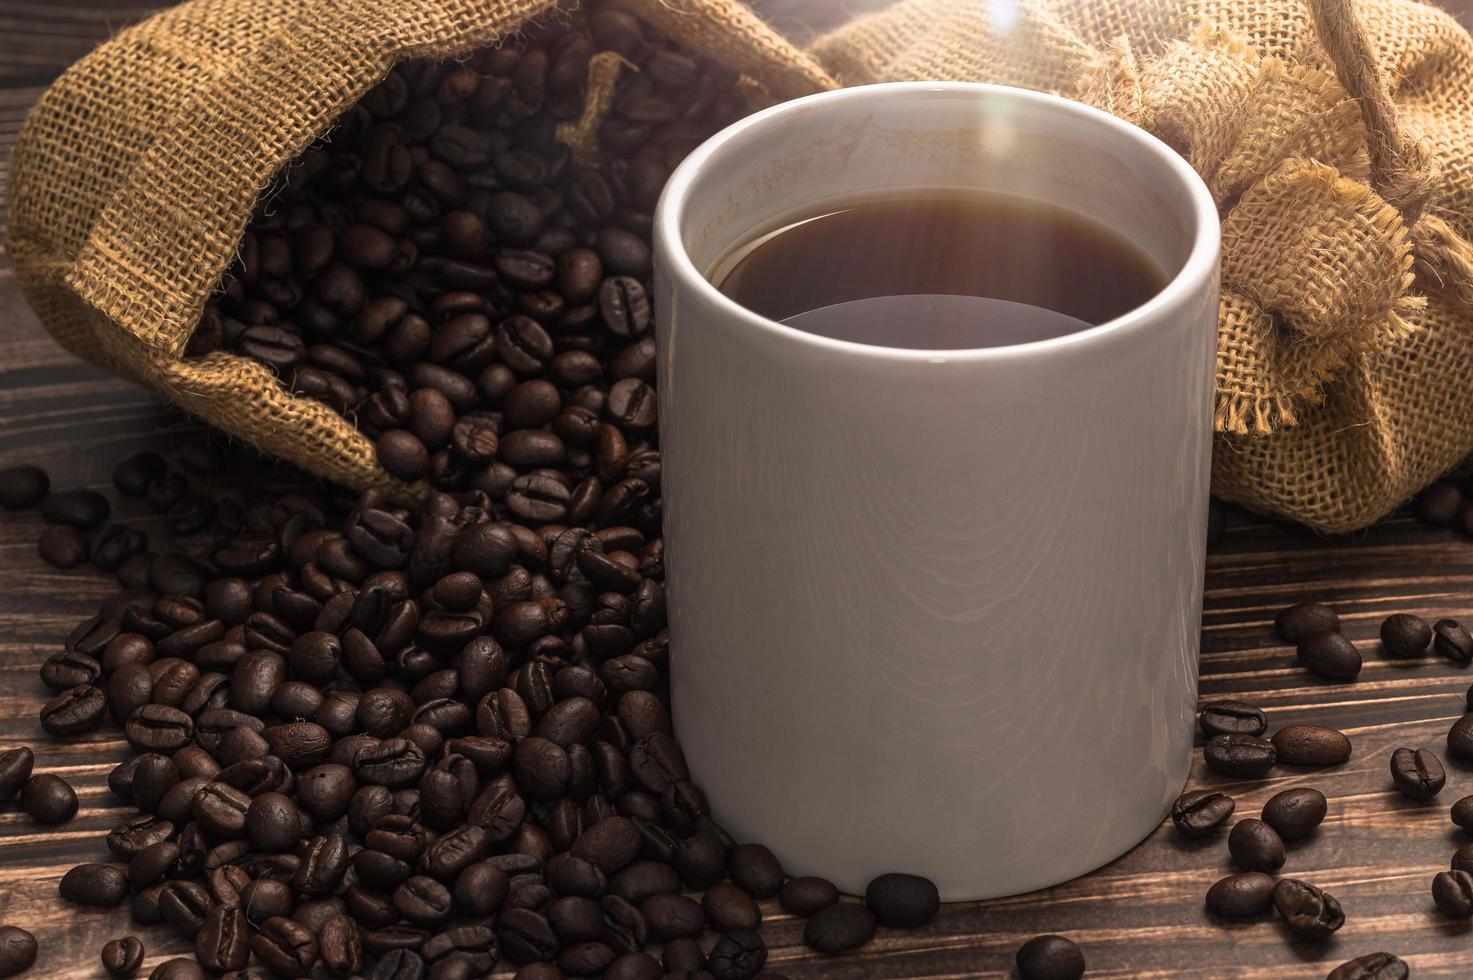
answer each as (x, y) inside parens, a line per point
(387, 741)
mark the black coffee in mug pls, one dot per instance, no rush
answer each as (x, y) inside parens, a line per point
(941, 272)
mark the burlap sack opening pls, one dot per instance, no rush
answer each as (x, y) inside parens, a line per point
(1340, 151)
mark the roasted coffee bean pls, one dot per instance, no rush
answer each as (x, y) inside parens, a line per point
(670, 916)
(1453, 893)
(103, 885)
(729, 909)
(159, 728)
(288, 948)
(902, 901)
(1311, 745)
(1452, 641)
(15, 769)
(1256, 846)
(1198, 813)
(223, 942)
(123, 957)
(340, 945)
(1462, 813)
(1240, 895)
(48, 798)
(1372, 966)
(1295, 813)
(1049, 958)
(756, 870)
(133, 475)
(1308, 912)
(1404, 635)
(77, 709)
(839, 927)
(1330, 655)
(23, 487)
(1299, 622)
(1460, 738)
(1418, 774)
(77, 508)
(179, 968)
(17, 950)
(63, 546)
(807, 896)
(1240, 755)
(71, 668)
(1231, 718)
(737, 955)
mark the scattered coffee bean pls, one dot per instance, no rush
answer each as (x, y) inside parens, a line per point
(178, 968)
(807, 896)
(1418, 774)
(103, 885)
(15, 769)
(1311, 745)
(23, 487)
(1452, 641)
(122, 957)
(1462, 813)
(48, 798)
(134, 474)
(839, 927)
(737, 956)
(1295, 813)
(1240, 755)
(1372, 966)
(902, 901)
(1231, 718)
(1404, 635)
(1198, 813)
(17, 950)
(1439, 504)
(63, 546)
(1050, 958)
(1241, 895)
(1330, 655)
(1299, 622)
(1308, 912)
(1453, 893)
(1460, 738)
(1256, 846)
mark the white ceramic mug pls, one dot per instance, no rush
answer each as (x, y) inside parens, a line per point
(935, 611)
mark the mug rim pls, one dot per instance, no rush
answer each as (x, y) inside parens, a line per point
(1198, 270)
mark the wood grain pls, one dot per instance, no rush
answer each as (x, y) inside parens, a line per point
(1141, 916)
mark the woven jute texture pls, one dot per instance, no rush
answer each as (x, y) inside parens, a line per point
(1337, 141)
(134, 177)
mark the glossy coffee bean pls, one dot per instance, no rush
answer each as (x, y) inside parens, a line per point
(122, 957)
(178, 968)
(1311, 745)
(1330, 655)
(15, 769)
(1231, 718)
(1299, 622)
(1309, 912)
(48, 798)
(1404, 635)
(1417, 773)
(1460, 738)
(1453, 893)
(755, 869)
(1241, 895)
(729, 909)
(737, 956)
(1295, 813)
(1050, 958)
(1240, 755)
(103, 885)
(223, 942)
(1256, 846)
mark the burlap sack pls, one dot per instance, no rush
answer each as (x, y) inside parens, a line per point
(1342, 160)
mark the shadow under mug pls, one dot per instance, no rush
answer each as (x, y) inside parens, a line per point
(935, 611)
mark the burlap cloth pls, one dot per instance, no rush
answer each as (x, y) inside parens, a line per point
(1338, 144)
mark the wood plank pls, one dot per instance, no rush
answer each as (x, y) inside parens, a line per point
(1139, 917)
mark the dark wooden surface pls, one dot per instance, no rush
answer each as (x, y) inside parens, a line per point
(1140, 917)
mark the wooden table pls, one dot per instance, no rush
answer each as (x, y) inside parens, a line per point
(1140, 917)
